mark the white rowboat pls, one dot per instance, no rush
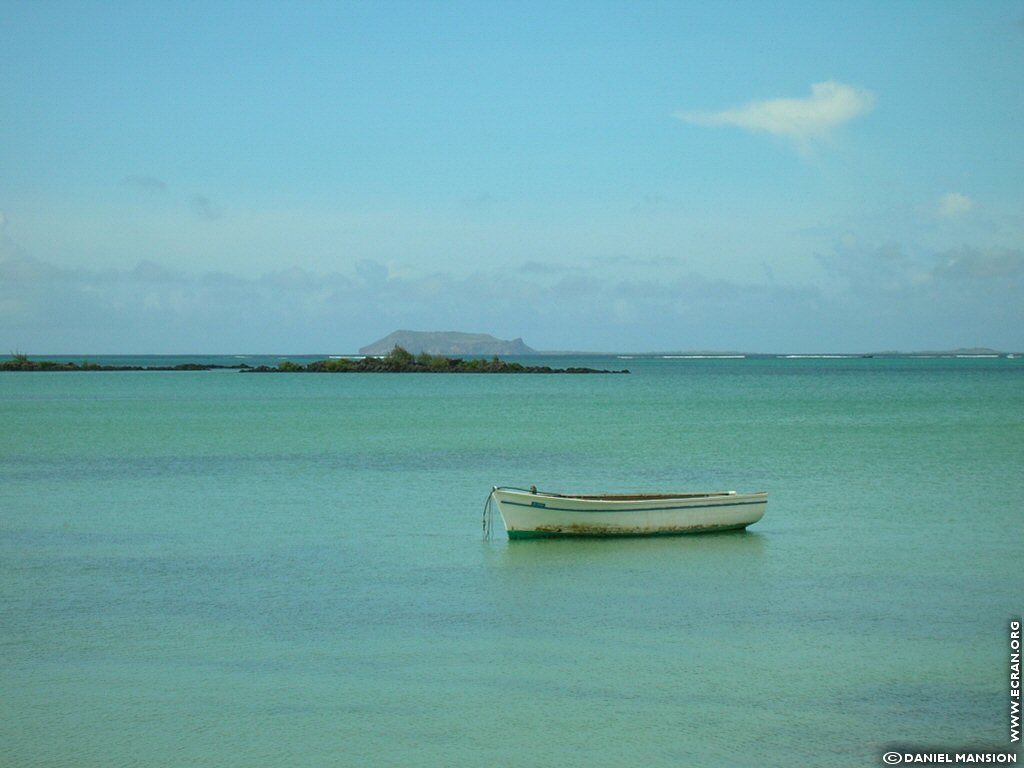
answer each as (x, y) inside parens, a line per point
(532, 513)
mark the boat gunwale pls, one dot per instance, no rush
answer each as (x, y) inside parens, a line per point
(615, 497)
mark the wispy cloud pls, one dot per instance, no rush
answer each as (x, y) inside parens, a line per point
(954, 204)
(146, 183)
(480, 201)
(799, 119)
(536, 267)
(204, 208)
(149, 271)
(915, 299)
(984, 264)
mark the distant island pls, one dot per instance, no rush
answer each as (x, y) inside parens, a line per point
(449, 343)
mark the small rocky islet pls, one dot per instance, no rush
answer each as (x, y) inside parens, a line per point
(21, 363)
(398, 360)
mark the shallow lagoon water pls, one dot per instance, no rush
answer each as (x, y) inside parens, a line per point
(231, 569)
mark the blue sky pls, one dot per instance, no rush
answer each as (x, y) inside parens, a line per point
(217, 177)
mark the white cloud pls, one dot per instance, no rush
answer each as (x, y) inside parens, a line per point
(954, 204)
(830, 104)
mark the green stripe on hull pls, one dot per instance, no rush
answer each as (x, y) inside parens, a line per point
(563, 534)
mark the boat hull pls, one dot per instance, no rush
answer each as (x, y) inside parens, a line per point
(531, 515)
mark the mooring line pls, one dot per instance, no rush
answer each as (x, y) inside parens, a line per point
(488, 516)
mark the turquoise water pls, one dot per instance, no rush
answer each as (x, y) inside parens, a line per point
(222, 569)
